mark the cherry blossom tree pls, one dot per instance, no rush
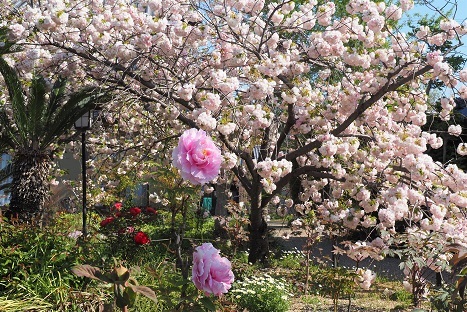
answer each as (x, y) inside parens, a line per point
(287, 90)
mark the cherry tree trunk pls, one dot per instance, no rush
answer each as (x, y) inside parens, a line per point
(221, 199)
(259, 245)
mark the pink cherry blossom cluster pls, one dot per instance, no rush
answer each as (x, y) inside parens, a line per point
(347, 102)
(365, 278)
(271, 171)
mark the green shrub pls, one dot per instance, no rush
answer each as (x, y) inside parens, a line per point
(290, 259)
(336, 283)
(401, 295)
(36, 263)
(261, 294)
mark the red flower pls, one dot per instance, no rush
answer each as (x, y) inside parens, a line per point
(135, 211)
(141, 238)
(150, 210)
(118, 214)
(118, 206)
(106, 221)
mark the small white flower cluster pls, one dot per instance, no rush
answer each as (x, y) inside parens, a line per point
(294, 253)
(260, 285)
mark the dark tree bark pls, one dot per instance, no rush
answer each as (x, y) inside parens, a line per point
(30, 186)
(221, 199)
(259, 245)
(295, 186)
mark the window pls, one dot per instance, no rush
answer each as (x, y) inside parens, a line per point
(5, 160)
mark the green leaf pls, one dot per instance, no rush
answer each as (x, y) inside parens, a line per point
(90, 272)
(120, 274)
(208, 304)
(144, 290)
(121, 296)
(131, 295)
(35, 126)
(17, 101)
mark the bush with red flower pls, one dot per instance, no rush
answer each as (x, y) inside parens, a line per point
(150, 211)
(124, 228)
(107, 221)
(141, 238)
(117, 206)
(134, 211)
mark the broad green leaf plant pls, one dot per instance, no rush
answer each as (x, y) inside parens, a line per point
(125, 287)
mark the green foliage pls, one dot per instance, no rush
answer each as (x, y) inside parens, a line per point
(443, 300)
(170, 285)
(118, 232)
(125, 287)
(336, 283)
(40, 120)
(37, 263)
(292, 259)
(261, 294)
(401, 295)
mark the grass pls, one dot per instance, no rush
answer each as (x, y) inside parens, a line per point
(36, 276)
(383, 296)
(23, 304)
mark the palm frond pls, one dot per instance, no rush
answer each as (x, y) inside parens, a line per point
(34, 126)
(15, 91)
(78, 103)
(56, 96)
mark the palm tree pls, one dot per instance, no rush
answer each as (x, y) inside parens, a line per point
(30, 124)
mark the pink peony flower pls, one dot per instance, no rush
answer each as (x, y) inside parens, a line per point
(211, 272)
(197, 157)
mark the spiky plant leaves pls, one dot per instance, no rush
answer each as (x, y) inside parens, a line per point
(37, 123)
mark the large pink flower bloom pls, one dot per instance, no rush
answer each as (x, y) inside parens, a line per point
(211, 272)
(197, 157)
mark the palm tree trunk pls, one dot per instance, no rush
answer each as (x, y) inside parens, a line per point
(30, 186)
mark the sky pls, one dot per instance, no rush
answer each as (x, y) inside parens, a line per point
(445, 6)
